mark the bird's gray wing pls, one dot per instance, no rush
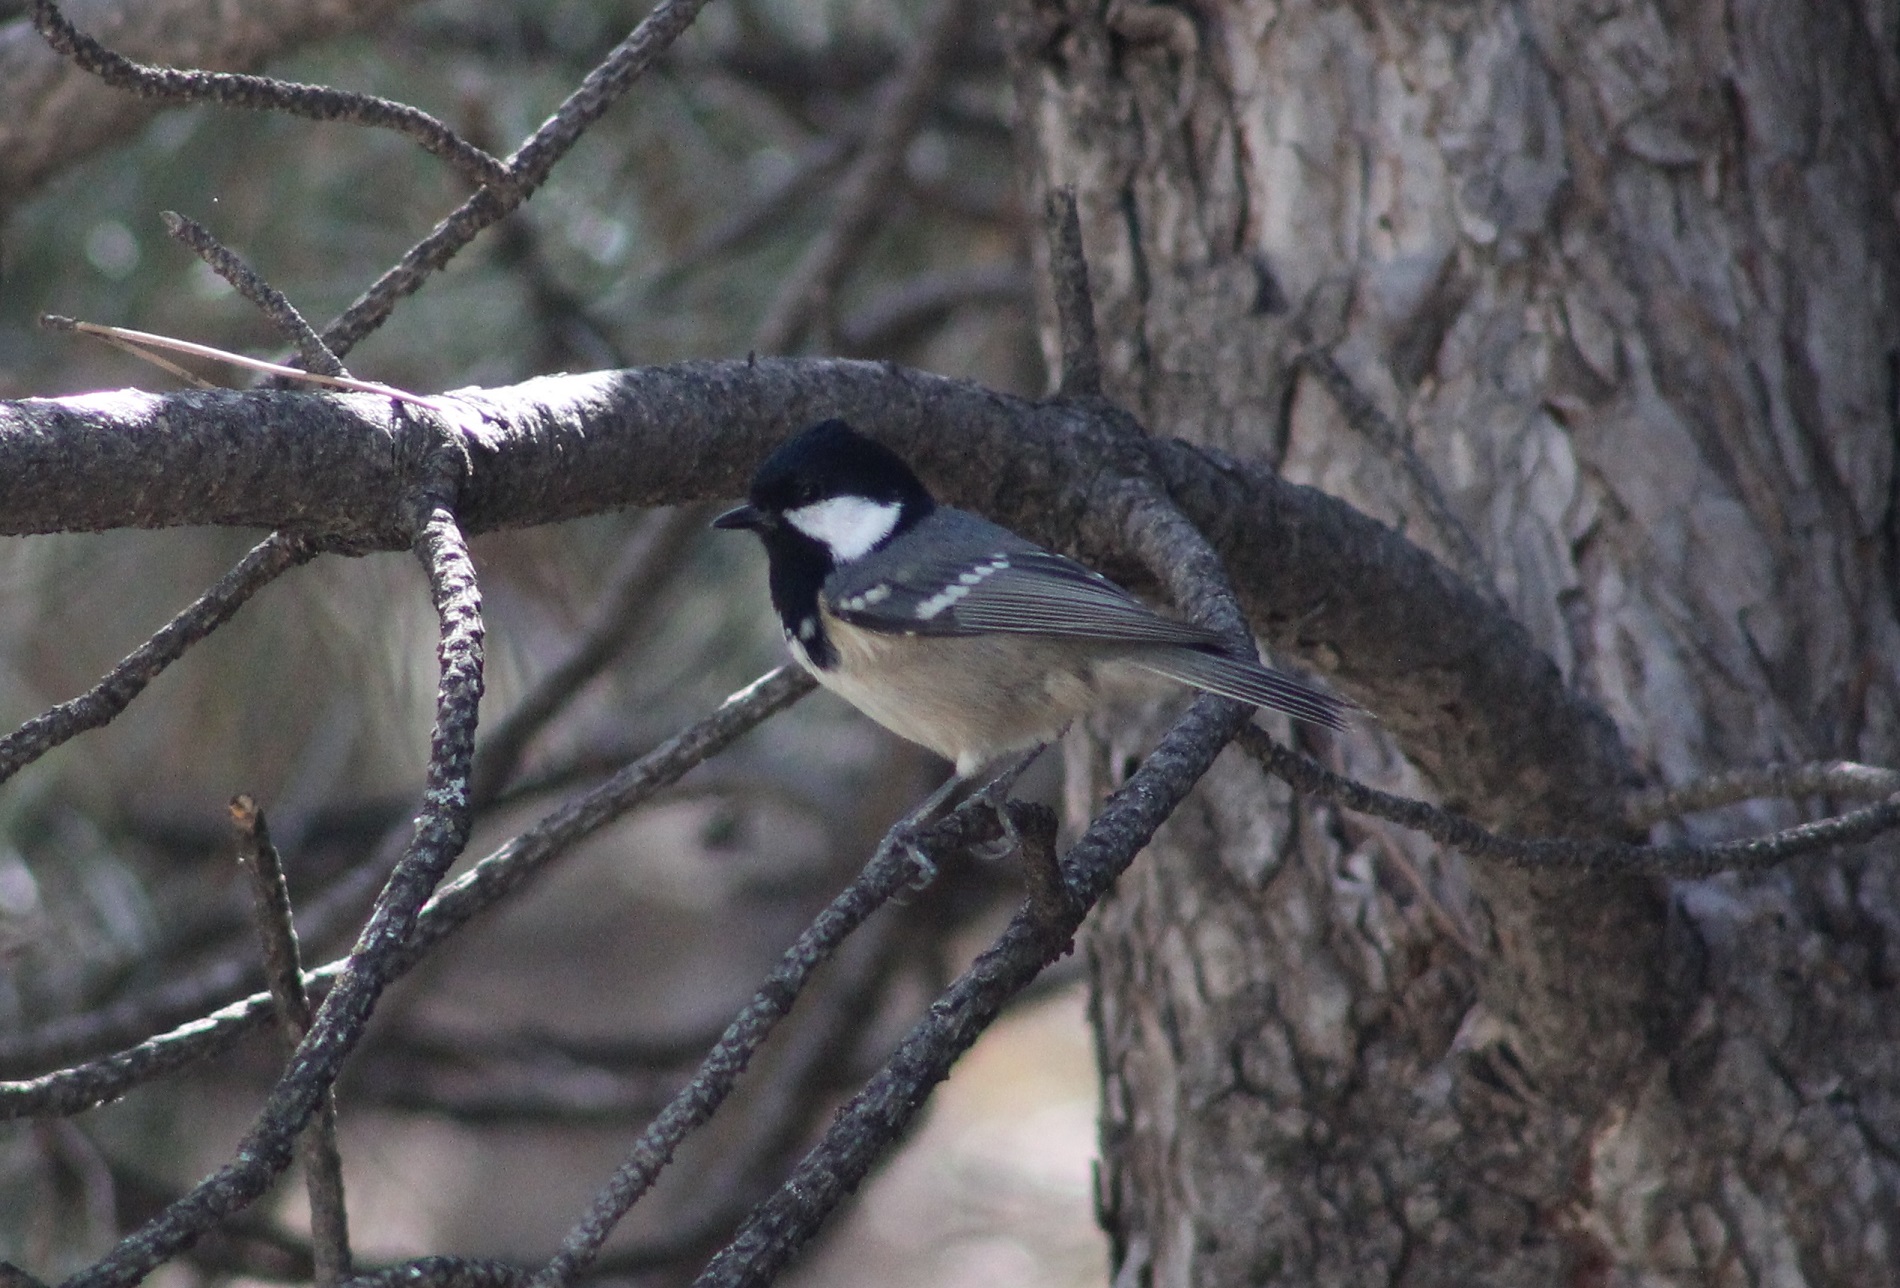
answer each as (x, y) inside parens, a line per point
(967, 576)
(967, 585)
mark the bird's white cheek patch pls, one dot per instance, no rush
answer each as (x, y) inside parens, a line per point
(849, 525)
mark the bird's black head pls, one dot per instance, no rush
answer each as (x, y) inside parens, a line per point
(826, 497)
(832, 487)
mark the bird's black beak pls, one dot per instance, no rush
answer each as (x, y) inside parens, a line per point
(740, 518)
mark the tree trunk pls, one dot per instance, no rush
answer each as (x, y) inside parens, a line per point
(1628, 279)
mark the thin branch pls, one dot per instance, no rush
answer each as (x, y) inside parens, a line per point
(78, 1088)
(1075, 303)
(1310, 778)
(891, 868)
(276, 554)
(877, 1117)
(254, 1245)
(440, 832)
(74, 1090)
(527, 169)
(265, 94)
(1036, 832)
(1825, 778)
(323, 1166)
(823, 1054)
(270, 301)
(867, 186)
(219, 983)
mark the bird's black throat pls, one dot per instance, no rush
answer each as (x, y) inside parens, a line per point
(797, 568)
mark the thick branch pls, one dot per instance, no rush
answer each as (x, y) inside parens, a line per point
(1461, 685)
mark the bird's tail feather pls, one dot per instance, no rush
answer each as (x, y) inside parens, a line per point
(1246, 682)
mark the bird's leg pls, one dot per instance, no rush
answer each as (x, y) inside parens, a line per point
(907, 830)
(1029, 830)
(993, 793)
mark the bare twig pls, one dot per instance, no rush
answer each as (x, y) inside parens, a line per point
(1042, 867)
(822, 1056)
(253, 1245)
(129, 1018)
(440, 832)
(866, 187)
(1309, 777)
(1075, 303)
(127, 341)
(527, 169)
(323, 1166)
(889, 871)
(1825, 778)
(266, 94)
(1178, 556)
(877, 1117)
(76, 1089)
(82, 1087)
(270, 301)
(98, 705)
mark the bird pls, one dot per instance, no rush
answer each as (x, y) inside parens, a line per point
(954, 632)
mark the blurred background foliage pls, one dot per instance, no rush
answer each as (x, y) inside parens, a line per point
(502, 1082)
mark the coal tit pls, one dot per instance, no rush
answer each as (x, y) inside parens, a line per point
(953, 632)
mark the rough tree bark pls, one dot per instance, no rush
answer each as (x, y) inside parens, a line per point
(1628, 276)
